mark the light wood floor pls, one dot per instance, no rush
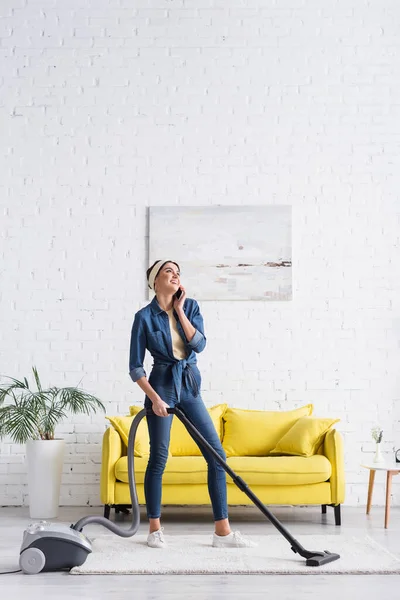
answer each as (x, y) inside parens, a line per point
(300, 521)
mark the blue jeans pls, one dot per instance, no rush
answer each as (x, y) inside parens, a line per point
(159, 433)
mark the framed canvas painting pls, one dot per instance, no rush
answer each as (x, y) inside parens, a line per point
(226, 252)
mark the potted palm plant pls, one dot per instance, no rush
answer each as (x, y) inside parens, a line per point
(30, 417)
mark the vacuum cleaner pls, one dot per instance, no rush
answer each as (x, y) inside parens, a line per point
(57, 547)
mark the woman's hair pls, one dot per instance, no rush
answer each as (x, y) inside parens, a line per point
(155, 262)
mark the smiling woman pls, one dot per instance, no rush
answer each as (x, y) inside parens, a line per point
(171, 328)
(163, 270)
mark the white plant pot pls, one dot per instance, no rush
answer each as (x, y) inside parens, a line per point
(44, 460)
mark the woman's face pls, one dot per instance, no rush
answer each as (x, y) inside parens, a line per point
(168, 279)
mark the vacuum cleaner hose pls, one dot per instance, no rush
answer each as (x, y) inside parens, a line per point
(79, 525)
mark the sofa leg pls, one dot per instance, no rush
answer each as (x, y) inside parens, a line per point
(107, 511)
(122, 508)
(120, 511)
(336, 508)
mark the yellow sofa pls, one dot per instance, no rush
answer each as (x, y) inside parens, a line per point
(286, 457)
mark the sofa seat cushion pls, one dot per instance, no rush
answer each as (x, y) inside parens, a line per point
(179, 469)
(255, 470)
(281, 470)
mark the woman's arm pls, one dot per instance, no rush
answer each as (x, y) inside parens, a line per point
(136, 370)
(193, 329)
(137, 349)
(148, 389)
(186, 325)
(159, 406)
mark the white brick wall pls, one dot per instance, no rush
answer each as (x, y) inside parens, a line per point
(108, 107)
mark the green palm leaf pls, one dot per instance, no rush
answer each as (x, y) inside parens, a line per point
(19, 423)
(49, 420)
(35, 400)
(18, 384)
(78, 401)
(8, 390)
(36, 376)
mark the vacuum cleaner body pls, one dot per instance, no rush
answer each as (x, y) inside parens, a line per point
(52, 547)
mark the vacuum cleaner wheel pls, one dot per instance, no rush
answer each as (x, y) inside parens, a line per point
(32, 561)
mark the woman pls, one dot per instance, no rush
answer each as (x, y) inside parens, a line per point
(171, 329)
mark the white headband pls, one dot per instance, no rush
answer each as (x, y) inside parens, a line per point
(154, 272)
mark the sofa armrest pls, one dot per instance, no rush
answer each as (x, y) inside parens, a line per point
(333, 450)
(110, 453)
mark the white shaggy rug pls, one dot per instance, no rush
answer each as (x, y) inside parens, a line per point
(193, 554)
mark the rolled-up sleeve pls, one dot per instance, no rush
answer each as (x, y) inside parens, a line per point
(137, 349)
(198, 341)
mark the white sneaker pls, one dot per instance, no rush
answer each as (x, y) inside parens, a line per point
(232, 540)
(156, 539)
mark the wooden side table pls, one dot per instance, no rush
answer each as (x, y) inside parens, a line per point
(391, 469)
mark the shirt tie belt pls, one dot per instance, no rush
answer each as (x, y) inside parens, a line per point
(182, 372)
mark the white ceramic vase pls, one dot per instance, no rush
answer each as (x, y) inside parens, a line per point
(44, 460)
(378, 458)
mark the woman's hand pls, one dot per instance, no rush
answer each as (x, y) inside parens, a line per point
(178, 304)
(160, 408)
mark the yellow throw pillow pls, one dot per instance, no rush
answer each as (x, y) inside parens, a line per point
(142, 436)
(122, 424)
(182, 444)
(304, 438)
(256, 432)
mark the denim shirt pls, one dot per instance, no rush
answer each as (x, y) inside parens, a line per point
(151, 331)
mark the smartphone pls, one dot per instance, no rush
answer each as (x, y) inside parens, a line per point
(178, 294)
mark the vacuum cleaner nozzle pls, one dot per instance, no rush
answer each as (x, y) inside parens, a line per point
(321, 558)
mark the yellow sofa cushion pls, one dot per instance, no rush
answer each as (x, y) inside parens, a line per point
(256, 432)
(255, 470)
(185, 470)
(304, 438)
(285, 470)
(182, 444)
(122, 424)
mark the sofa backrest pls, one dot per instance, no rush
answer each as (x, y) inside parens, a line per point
(243, 432)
